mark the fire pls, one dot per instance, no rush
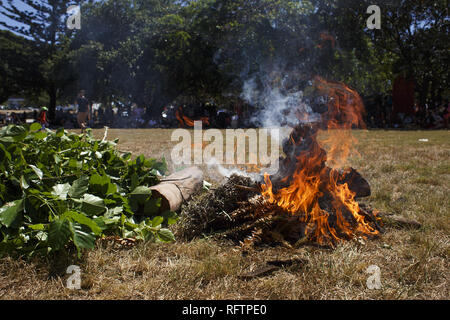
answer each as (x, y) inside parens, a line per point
(186, 121)
(326, 37)
(313, 192)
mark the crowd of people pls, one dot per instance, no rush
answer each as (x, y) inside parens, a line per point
(381, 113)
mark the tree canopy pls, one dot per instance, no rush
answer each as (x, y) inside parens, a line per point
(151, 52)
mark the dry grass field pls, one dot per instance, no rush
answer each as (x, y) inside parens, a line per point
(408, 177)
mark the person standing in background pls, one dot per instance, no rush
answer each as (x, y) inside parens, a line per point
(84, 110)
(42, 118)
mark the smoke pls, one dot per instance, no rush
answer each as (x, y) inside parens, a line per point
(215, 166)
(279, 97)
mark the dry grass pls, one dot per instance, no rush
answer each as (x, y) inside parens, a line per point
(408, 177)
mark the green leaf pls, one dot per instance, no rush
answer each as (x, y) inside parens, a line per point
(79, 187)
(92, 205)
(142, 190)
(74, 164)
(152, 206)
(82, 238)
(156, 221)
(35, 126)
(170, 217)
(18, 133)
(11, 213)
(40, 135)
(38, 171)
(60, 132)
(59, 234)
(61, 190)
(126, 156)
(42, 236)
(23, 183)
(117, 211)
(134, 181)
(139, 196)
(82, 219)
(102, 185)
(4, 154)
(7, 140)
(165, 235)
(101, 223)
(39, 226)
(57, 159)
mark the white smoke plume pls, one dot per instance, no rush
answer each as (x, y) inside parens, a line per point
(277, 105)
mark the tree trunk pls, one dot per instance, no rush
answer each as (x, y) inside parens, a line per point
(52, 103)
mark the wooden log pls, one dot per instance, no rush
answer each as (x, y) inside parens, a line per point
(178, 187)
(355, 182)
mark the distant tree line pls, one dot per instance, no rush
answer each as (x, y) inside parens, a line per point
(152, 51)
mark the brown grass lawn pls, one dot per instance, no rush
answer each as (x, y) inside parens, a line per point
(407, 177)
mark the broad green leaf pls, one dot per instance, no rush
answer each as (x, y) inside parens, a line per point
(156, 221)
(92, 205)
(134, 181)
(142, 190)
(7, 140)
(101, 223)
(79, 187)
(40, 135)
(166, 235)
(11, 213)
(57, 159)
(102, 185)
(74, 164)
(170, 217)
(148, 235)
(35, 126)
(38, 171)
(59, 234)
(82, 219)
(18, 133)
(126, 156)
(23, 183)
(42, 236)
(139, 196)
(4, 154)
(82, 238)
(60, 132)
(39, 226)
(152, 206)
(61, 190)
(117, 211)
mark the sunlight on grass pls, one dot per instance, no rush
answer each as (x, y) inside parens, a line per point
(407, 177)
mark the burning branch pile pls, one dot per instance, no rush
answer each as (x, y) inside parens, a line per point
(312, 196)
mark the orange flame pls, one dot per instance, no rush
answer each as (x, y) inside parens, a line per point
(326, 37)
(313, 180)
(186, 121)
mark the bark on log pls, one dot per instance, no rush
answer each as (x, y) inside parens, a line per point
(178, 187)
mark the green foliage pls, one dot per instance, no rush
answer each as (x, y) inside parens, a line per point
(18, 72)
(58, 189)
(154, 51)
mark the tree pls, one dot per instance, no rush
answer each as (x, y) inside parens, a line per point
(45, 24)
(115, 53)
(18, 74)
(416, 33)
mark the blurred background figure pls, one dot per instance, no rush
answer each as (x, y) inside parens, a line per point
(43, 118)
(84, 112)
